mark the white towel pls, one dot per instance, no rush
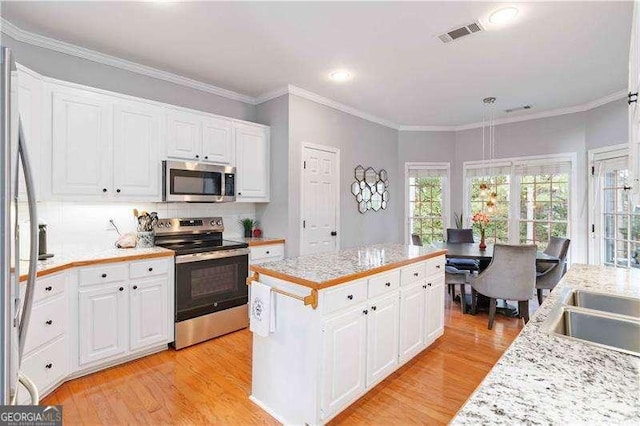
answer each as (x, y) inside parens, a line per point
(263, 318)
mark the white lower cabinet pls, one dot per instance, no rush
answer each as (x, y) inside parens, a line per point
(412, 321)
(149, 312)
(434, 308)
(103, 324)
(382, 338)
(344, 345)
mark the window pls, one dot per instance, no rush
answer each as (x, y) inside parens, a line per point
(427, 195)
(532, 198)
(544, 202)
(617, 221)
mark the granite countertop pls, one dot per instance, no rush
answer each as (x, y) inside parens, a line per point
(546, 379)
(327, 269)
(262, 241)
(73, 256)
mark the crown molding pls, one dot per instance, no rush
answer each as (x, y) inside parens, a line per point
(24, 36)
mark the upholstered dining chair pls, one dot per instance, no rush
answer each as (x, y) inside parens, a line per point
(511, 275)
(549, 274)
(453, 277)
(462, 236)
(416, 240)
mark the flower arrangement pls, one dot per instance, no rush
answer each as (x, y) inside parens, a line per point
(482, 220)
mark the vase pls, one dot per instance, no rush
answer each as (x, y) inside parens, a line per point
(247, 233)
(146, 239)
(483, 245)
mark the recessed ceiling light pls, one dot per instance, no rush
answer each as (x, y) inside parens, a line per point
(504, 15)
(340, 75)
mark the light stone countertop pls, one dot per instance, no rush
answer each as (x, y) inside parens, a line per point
(327, 269)
(546, 379)
(80, 255)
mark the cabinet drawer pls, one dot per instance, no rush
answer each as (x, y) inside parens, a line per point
(46, 366)
(383, 283)
(103, 274)
(344, 295)
(266, 253)
(435, 266)
(413, 273)
(148, 268)
(48, 321)
(49, 286)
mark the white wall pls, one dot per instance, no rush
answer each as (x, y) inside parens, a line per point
(73, 224)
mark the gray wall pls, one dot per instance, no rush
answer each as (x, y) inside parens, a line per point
(81, 71)
(274, 216)
(360, 142)
(607, 125)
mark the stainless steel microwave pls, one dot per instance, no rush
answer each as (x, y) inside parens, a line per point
(197, 182)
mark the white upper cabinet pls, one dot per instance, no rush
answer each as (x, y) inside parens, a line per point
(81, 142)
(136, 150)
(184, 138)
(217, 141)
(252, 163)
(30, 108)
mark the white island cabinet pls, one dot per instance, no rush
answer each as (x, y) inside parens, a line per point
(371, 310)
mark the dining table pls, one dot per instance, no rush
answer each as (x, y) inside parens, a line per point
(473, 251)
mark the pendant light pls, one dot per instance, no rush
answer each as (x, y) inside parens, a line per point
(490, 135)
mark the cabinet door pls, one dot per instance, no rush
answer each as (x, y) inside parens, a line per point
(149, 314)
(103, 322)
(217, 141)
(344, 358)
(434, 309)
(382, 338)
(184, 137)
(29, 101)
(136, 145)
(81, 143)
(412, 321)
(252, 163)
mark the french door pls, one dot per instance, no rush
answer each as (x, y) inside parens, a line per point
(615, 219)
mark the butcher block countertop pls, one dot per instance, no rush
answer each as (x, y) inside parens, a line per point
(329, 269)
(82, 256)
(262, 241)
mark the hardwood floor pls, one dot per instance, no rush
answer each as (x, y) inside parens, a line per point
(210, 382)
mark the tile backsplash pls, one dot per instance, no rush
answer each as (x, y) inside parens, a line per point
(80, 224)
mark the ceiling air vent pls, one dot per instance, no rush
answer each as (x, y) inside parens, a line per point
(524, 107)
(457, 33)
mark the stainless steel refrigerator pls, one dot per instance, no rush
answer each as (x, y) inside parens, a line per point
(14, 313)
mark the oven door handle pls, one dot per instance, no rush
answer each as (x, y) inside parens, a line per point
(221, 254)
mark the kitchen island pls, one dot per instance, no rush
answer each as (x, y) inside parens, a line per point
(343, 322)
(545, 378)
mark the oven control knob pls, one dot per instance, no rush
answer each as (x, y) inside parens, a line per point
(160, 225)
(213, 223)
(219, 222)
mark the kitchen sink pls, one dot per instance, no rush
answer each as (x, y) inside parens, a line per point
(604, 302)
(612, 331)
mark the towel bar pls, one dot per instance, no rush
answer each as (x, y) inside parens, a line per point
(311, 299)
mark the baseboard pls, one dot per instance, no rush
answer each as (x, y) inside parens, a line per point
(121, 360)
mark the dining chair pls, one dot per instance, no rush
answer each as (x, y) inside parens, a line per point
(416, 240)
(457, 236)
(511, 275)
(453, 277)
(549, 274)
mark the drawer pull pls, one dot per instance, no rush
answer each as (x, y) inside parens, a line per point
(121, 289)
(366, 312)
(48, 366)
(150, 269)
(387, 284)
(350, 297)
(104, 275)
(438, 266)
(48, 322)
(268, 252)
(48, 288)
(135, 287)
(373, 308)
(415, 274)
(429, 284)
(424, 286)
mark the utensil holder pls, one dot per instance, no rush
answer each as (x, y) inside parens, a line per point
(146, 238)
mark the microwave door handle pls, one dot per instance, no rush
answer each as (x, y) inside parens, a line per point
(33, 242)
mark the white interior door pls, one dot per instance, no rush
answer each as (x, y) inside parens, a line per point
(320, 199)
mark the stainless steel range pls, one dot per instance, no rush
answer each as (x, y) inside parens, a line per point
(211, 294)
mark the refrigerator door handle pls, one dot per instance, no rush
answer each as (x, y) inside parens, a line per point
(30, 387)
(33, 243)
